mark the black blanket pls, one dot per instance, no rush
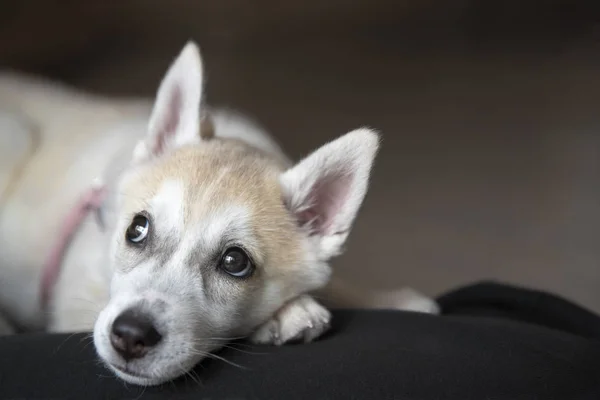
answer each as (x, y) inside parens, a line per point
(493, 342)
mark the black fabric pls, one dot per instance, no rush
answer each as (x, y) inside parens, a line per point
(531, 306)
(494, 342)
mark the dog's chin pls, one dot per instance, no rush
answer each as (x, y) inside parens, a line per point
(143, 378)
(136, 378)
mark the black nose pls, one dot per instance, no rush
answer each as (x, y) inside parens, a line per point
(133, 334)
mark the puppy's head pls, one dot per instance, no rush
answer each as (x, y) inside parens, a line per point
(214, 236)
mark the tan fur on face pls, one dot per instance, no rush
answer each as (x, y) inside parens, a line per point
(220, 172)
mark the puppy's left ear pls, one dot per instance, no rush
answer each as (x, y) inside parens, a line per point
(326, 189)
(175, 118)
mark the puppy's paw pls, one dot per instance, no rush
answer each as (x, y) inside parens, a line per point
(407, 299)
(301, 319)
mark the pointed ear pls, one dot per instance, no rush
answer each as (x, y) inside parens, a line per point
(175, 118)
(326, 189)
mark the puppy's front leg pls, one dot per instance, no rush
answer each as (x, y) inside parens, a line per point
(300, 319)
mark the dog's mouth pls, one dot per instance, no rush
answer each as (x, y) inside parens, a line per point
(129, 372)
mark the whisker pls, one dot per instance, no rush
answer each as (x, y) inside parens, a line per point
(89, 335)
(214, 356)
(225, 338)
(247, 345)
(193, 376)
(86, 362)
(245, 351)
(87, 344)
(63, 342)
(143, 391)
(210, 355)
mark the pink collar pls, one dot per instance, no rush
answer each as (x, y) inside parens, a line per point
(90, 201)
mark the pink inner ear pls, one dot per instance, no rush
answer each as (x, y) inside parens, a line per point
(170, 120)
(325, 201)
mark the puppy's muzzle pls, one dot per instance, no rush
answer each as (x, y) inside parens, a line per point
(133, 334)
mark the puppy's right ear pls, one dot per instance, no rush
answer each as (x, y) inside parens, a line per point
(175, 118)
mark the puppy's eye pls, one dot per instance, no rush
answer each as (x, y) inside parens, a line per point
(138, 229)
(236, 262)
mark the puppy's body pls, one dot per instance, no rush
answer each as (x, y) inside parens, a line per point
(181, 206)
(72, 139)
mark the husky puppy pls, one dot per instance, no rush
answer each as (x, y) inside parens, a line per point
(192, 227)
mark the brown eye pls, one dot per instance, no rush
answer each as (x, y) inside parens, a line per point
(138, 229)
(236, 262)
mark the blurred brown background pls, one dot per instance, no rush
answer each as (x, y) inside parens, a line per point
(490, 163)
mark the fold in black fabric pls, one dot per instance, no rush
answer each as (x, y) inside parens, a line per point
(493, 342)
(493, 299)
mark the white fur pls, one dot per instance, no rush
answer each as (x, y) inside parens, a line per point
(173, 294)
(175, 116)
(302, 318)
(195, 306)
(168, 207)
